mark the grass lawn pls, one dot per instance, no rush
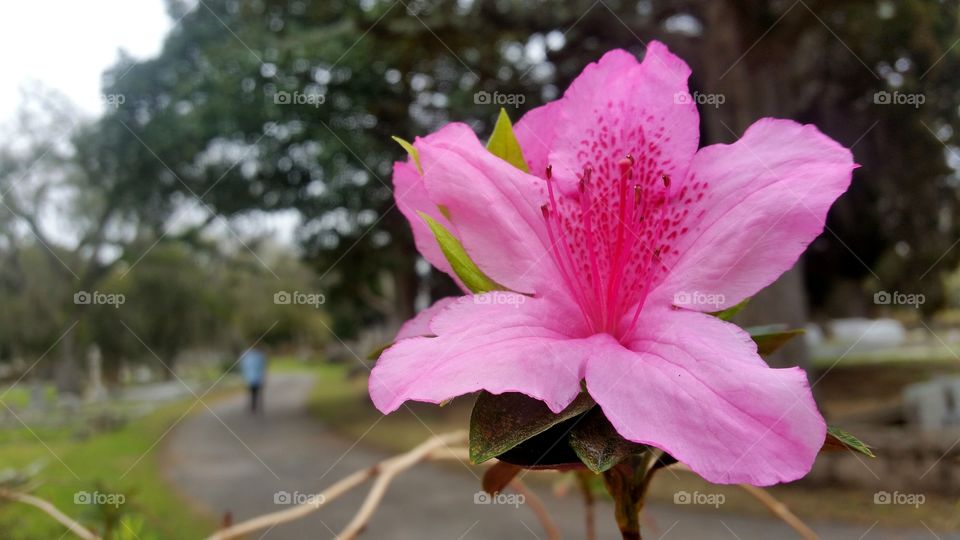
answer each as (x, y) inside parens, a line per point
(341, 402)
(123, 461)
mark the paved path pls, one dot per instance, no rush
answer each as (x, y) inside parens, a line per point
(236, 462)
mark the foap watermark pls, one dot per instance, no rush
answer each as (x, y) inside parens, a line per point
(497, 98)
(97, 298)
(712, 100)
(499, 298)
(314, 99)
(705, 499)
(509, 499)
(298, 298)
(697, 298)
(298, 499)
(897, 298)
(113, 100)
(899, 98)
(95, 497)
(907, 499)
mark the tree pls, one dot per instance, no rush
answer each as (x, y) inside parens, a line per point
(44, 177)
(276, 105)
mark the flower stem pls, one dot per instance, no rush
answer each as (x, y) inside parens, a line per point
(627, 483)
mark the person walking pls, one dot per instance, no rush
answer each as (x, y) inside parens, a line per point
(253, 365)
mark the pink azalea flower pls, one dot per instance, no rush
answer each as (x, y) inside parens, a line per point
(616, 244)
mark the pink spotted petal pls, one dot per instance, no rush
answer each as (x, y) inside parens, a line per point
(618, 106)
(693, 386)
(495, 209)
(499, 342)
(766, 198)
(419, 325)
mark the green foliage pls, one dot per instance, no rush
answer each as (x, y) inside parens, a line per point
(107, 457)
(411, 151)
(597, 443)
(469, 273)
(501, 422)
(230, 77)
(769, 338)
(727, 314)
(838, 439)
(503, 143)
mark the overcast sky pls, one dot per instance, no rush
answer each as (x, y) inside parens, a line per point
(66, 45)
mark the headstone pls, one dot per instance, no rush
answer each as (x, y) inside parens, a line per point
(933, 405)
(869, 333)
(95, 388)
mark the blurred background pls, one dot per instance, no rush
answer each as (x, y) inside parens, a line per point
(184, 180)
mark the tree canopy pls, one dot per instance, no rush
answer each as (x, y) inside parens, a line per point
(275, 105)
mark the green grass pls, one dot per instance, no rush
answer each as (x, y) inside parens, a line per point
(339, 399)
(912, 355)
(105, 462)
(293, 364)
(18, 397)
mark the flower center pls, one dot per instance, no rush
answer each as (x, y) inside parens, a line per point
(609, 240)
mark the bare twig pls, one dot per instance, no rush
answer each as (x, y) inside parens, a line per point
(539, 509)
(781, 511)
(388, 470)
(776, 507)
(434, 448)
(52, 511)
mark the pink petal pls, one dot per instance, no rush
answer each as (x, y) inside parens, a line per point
(419, 325)
(495, 209)
(411, 195)
(499, 342)
(618, 106)
(535, 132)
(693, 386)
(766, 198)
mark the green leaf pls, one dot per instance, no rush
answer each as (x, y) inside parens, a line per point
(772, 337)
(375, 353)
(597, 443)
(503, 143)
(411, 150)
(728, 313)
(838, 439)
(501, 422)
(468, 272)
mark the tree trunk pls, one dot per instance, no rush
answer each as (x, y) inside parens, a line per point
(68, 375)
(730, 73)
(784, 302)
(406, 284)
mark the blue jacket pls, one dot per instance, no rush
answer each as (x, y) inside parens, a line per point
(253, 365)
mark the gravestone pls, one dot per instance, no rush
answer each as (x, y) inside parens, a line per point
(933, 405)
